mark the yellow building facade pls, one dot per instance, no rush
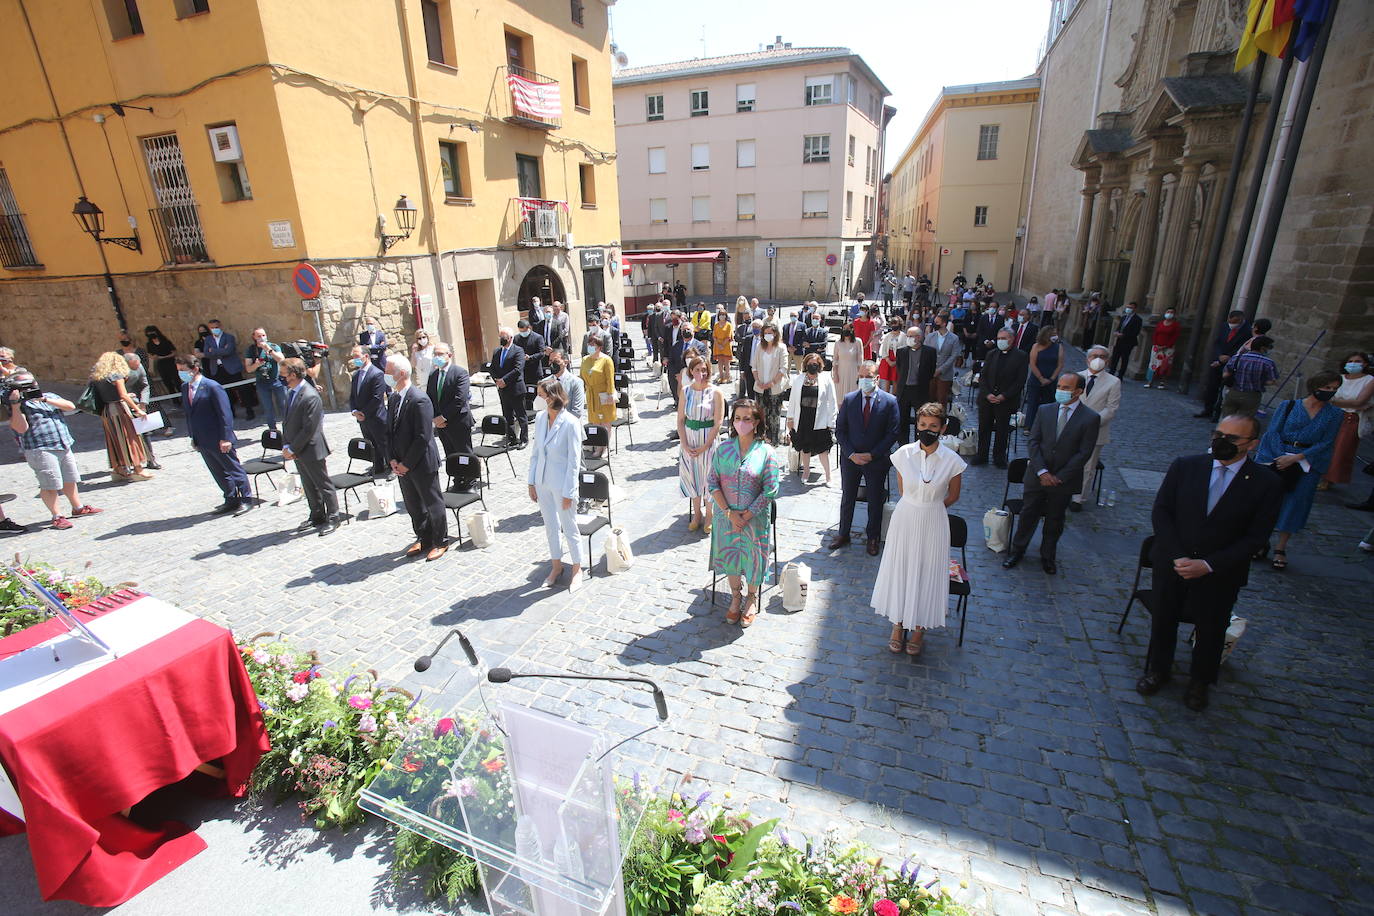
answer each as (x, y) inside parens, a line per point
(236, 140)
(956, 189)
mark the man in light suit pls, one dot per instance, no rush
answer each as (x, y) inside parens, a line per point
(1101, 392)
(210, 422)
(508, 371)
(415, 459)
(449, 390)
(302, 431)
(1212, 514)
(367, 402)
(947, 348)
(866, 427)
(1061, 439)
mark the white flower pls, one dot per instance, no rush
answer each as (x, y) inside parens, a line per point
(261, 657)
(298, 692)
(366, 724)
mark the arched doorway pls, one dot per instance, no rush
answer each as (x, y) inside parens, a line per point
(541, 282)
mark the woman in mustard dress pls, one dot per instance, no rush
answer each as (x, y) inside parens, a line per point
(743, 483)
(598, 380)
(722, 344)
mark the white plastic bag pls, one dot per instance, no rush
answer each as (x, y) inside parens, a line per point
(793, 460)
(997, 529)
(290, 489)
(619, 555)
(796, 584)
(481, 529)
(381, 499)
(1234, 631)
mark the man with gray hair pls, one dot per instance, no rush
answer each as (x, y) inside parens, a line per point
(415, 459)
(508, 372)
(1102, 393)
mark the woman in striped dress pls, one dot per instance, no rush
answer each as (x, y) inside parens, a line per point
(700, 413)
(743, 484)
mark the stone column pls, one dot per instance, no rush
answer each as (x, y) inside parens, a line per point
(1092, 272)
(1080, 242)
(1137, 284)
(1175, 236)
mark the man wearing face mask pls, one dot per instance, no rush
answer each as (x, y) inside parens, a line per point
(866, 428)
(508, 372)
(1228, 339)
(653, 330)
(985, 332)
(449, 391)
(210, 424)
(1025, 332)
(746, 338)
(533, 345)
(1061, 438)
(794, 341)
(816, 337)
(415, 460)
(373, 342)
(367, 402)
(1125, 336)
(303, 442)
(946, 346)
(999, 386)
(572, 385)
(915, 369)
(223, 364)
(1101, 392)
(1211, 514)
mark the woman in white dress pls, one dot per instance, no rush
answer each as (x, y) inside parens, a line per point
(422, 358)
(849, 352)
(912, 589)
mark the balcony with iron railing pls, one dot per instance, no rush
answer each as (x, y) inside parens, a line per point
(16, 252)
(530, 99)
(179, 233)
(539, 223)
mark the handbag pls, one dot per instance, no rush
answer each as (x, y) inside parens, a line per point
(481, 529)
(89, 400)
(619, 555)
(290, 490)
(796, 585)
(997, 529)
(1292, 475)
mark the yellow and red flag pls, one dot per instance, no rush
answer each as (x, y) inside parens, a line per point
(1268, 26)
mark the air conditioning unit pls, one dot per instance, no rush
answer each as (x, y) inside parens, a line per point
(546, 224)
(568, 241)
(224, 144)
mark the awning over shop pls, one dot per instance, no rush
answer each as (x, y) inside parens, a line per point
(675, 256)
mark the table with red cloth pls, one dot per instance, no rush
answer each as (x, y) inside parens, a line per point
(91, 747)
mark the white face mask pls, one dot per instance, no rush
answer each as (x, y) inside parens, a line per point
(769, 338)
(1097, 364)
(913, 341)
(541, 402)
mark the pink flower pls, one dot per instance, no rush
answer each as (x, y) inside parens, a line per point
(358, 701)
(886, 907)
(301, 677)
(366, 724)
(675, 815)
(443, 727)
(261, 657)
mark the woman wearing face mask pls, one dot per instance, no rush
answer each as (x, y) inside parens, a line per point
(700, 413)
(849, 352)
(164, 363)
(202, 332)
(422, 358)
(1354, 398)
(743, 483)
(1302, 435)
(555, 462)
(769, 364)
(1162, 350)
(811, 410)
(866, 331)
(722, 339)
(912, 588)
(1046, 365)
(887, 354)
(598, 380)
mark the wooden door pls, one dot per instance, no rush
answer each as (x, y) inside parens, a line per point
(473, 338)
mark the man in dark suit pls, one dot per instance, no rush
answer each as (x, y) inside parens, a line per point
(533, 345)
(866, 427)
(817, 336)
(915, 369)
(367, 402)
(210, 422)
(1228, 339)
(373, 342)
(1061, 438)
(794, 339)
(410, 420)
(746, 336)
(302, 432)
(1212, 513)
(1125, 336)
(223, 364)
(508, 371)
(999, 389)
(449, 391)
(677, 333)
(985, 332)
(1023, 337)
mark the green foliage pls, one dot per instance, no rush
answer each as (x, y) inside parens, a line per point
(19, 609)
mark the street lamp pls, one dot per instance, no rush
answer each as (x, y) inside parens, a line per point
(405, 220)
(92, 221)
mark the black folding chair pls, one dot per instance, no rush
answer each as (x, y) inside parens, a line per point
(596, 437)
(1097, 481)
(622, 381)
(1016, 475)
(1146, 596)
(958, 537)
(359, 450)
(953, 426)
(530, 395)
(494, 425)
(482, 386)
(593, 485)
(266, 464)
(773, 527)
(623, 418)
(464, 486)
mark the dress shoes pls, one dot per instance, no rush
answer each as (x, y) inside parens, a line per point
(1151, 683)
(1195, 697)
(872, 547)
(240, 508)
(1075, 507)
(1048, 566)
(436, 552)
(414, 550)
(330, 525)
(224, 508)
(840, 542)
(977, 462)
(1012, 559)
(309, 523)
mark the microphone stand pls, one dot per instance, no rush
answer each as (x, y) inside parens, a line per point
(505, 675)
(424, 661)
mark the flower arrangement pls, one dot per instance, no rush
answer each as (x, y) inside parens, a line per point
(19, 609)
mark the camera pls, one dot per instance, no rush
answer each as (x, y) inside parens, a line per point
(25, 384)
(307, 351)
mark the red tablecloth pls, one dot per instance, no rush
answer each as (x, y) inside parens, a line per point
(91, 748)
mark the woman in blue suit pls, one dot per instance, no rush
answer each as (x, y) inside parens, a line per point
(555, 462)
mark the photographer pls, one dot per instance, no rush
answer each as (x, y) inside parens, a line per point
(36, 419)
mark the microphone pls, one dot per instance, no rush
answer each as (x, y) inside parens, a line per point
(505, 675)
(424, 661)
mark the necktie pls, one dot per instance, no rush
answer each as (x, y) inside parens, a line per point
(290, 399)
(868, 407)
(1218, 487)
(1092, 380)
(1063, 418)
(439, 383)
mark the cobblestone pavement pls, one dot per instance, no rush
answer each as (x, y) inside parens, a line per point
(1023, 763)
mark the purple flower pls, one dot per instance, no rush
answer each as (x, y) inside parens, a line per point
(901, 872)
(783, 839)
(790, 905)
(701, 799)
(330, 723)
(636, 780)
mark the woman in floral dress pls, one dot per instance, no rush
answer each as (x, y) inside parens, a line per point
(743, 483)
(700, 413)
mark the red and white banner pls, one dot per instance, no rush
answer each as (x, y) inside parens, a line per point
(529, 204)
(539, 100)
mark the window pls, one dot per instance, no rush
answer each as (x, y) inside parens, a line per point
(123, 18)
(701, 157)
(654, 107)
(815, 204)
(701, 102)
(581, 88)
(816, 148)
(980, 216)
(849, 204)
(527, 177)
(176, 218)
(701, 209)
(851, 149)
(577, 16)
(744, 97)
(586, 181)
(849, 89)
(744, 154)
(453, 167)
(658, 209)
(185, 8)
(658, 160)
(438, 35)
(987, 141)
(15, 248)
(744, 206)
(820, 90)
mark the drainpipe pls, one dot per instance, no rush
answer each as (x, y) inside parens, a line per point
(1101, 62)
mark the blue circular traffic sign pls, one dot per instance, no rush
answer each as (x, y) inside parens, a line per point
(306, 281)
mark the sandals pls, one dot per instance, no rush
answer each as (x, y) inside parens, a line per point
(914, 642)
(732, 615)
(1280, 559)
(747, 610)
(894, 643)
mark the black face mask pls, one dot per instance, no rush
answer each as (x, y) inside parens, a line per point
(928, 437)
(1324, 395)
(1224, 449)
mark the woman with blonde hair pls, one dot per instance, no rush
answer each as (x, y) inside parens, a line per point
(700, 415)
(122, 442)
